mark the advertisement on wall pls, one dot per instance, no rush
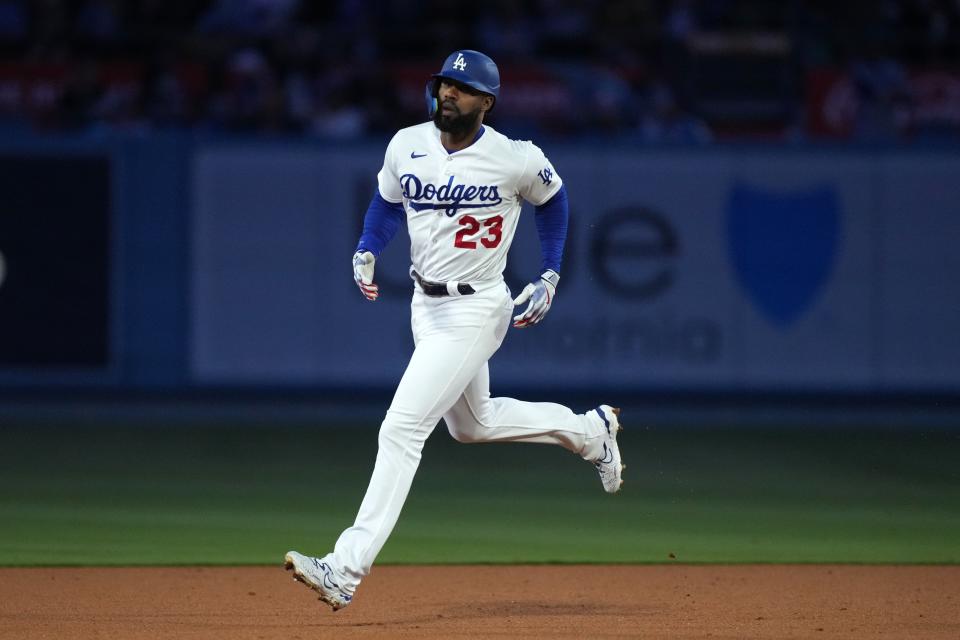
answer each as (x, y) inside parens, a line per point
(683, 271)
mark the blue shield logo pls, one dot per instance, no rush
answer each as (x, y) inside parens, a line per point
(783, 247)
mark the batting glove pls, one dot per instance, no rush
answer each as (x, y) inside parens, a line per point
(540, 294)
(363, 274)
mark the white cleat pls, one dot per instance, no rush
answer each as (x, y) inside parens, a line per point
(318, 575)
(610, 466)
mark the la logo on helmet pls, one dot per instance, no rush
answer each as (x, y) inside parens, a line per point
(460, 64)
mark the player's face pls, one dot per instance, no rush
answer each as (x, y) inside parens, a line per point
(460, 107)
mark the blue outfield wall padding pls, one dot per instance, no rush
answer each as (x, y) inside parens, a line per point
(695, 271)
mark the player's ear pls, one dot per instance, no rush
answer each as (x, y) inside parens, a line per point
(488, 102)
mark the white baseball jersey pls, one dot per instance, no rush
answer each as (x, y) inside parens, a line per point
(463, 207)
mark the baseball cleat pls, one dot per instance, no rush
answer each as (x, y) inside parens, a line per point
(318, 575)
(610, 466)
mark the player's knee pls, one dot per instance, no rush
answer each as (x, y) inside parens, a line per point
(397, 434)
(462, 435)
(387, 437)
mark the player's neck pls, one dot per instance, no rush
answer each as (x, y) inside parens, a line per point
(458, 143)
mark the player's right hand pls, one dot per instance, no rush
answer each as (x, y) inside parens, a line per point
(363, 262)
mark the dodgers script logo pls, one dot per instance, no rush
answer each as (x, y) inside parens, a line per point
(449, 197)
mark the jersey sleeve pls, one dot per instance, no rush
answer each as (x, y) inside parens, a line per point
(539, 181)
(388, 182)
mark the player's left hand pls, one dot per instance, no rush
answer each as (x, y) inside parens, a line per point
(540, 294)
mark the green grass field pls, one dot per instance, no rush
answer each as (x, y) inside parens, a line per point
(216, 495)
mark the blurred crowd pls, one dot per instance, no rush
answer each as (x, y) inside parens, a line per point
(674, 71)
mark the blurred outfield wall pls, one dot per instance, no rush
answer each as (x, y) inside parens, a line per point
(694, 270)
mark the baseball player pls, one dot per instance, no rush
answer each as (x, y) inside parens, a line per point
(458, 184)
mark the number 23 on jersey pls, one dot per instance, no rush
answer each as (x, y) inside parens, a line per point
(489, 232)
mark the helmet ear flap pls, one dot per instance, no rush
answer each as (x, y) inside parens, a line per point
(430, 93)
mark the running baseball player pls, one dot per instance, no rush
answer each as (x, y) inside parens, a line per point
(458, 183)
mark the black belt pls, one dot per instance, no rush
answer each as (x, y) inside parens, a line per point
(439, 289)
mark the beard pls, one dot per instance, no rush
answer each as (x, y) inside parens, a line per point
(456, 124)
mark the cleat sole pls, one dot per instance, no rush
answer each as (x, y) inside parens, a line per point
(616, 411)
(613, 430)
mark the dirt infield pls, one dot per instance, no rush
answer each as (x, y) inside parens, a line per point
(677, 601)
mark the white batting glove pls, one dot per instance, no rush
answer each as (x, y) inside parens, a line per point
(540, 294)
(363, 274)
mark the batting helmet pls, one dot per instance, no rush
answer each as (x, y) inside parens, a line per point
(468, 67)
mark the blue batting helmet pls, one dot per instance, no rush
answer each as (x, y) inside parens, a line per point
(468, 67)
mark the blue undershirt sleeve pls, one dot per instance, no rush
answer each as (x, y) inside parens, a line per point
(551, 219)
(380, 224)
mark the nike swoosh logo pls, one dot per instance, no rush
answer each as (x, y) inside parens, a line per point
(414, 155)
(327, 580)
(607, 455)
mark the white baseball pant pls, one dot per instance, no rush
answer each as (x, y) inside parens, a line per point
(448, 377)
